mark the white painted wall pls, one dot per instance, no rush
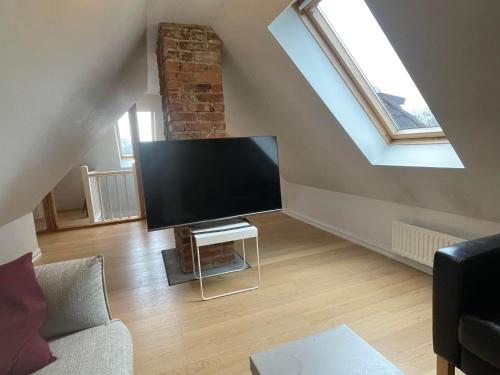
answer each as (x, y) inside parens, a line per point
(265, 94)
(69, 69)
(17, 238)
(104, 156)
(68, 193)
(369, 221)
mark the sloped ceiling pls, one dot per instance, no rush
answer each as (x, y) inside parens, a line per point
(68, 69)
(450, 49)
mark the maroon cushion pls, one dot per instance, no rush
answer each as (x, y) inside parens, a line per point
(22, 308)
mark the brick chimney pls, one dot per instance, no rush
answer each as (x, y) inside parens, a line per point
(190, 72)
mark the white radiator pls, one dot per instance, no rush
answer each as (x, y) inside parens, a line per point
(419, 244)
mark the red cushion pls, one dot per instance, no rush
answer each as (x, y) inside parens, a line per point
(22, 308)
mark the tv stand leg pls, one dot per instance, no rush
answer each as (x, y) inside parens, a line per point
(244, 253)
(200, 273)
(222, 273)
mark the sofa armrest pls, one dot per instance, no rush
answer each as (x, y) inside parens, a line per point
(76, 296)
(466, 275)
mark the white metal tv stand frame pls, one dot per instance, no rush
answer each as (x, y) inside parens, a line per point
(219, 232)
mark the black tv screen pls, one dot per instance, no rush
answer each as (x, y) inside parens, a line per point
(192, 181)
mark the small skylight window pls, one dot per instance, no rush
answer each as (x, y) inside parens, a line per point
(359, 48)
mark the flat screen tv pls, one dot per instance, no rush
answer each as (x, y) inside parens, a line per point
(193, 181)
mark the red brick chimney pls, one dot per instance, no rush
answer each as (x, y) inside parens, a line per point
(190, 71)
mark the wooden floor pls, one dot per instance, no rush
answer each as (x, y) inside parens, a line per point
(312, 281)
(65, 219)
(72, 218)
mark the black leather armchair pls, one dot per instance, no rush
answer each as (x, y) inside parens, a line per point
(466, 307)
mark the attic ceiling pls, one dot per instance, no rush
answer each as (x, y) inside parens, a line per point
(70, 70)
(450, 50)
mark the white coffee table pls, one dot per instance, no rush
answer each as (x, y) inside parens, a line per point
(338, 351)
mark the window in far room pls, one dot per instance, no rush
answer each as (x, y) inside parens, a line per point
(124, 137)
(360, 51)
(146, 132)
(146, 126)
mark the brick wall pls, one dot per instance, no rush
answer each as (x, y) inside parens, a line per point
(189, 60)
(190, 72)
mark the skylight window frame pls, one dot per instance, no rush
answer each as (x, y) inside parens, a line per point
(359, 85)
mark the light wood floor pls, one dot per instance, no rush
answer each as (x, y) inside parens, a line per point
(312, 281)
(65, 219)
(72, 218)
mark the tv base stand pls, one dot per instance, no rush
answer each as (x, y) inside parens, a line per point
(216, 233)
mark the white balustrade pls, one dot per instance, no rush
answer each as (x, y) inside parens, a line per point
(110, 195)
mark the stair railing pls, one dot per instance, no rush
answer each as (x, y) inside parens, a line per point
(110, 195)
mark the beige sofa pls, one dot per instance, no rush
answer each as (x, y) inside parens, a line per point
(78, 325)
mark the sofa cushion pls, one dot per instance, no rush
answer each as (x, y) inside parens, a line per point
(479, 333)
(22, 307)
(100, 350)
(76, 296)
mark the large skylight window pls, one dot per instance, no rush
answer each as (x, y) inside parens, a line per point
(357, 45)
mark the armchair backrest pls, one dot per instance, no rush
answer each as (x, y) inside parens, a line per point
(466, 276)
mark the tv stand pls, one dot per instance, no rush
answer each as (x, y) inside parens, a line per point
(218, 232)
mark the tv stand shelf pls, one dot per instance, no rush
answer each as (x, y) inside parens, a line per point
(219, 232)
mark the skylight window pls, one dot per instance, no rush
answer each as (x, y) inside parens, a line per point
(364, 56)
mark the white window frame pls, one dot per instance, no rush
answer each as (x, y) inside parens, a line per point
(357, 82)
(123, 156)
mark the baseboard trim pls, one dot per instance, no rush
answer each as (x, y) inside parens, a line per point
(357, 240)
(37, 253)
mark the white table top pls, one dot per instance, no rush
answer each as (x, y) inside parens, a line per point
(338, 351)
(233, 231)
(226, 225)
